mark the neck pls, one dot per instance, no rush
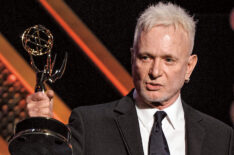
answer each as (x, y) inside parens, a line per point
(158, 105)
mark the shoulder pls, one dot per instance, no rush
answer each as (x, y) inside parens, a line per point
(122, 105)
(207, 121)
(215, 123)
(217, 136)
(91, 116)
(99, 108)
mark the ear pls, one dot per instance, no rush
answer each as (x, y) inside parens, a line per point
(191, 65)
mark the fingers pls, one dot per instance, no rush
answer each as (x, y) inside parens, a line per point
(40, 104)
(37, 112)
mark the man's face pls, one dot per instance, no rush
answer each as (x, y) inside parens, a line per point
(161, 64)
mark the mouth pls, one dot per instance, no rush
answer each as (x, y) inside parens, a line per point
(153, 86)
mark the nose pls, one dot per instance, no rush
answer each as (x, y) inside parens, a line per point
(155, 70)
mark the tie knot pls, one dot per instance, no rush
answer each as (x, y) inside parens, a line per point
(159, 116)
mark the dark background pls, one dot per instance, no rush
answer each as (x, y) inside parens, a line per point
(113, 22)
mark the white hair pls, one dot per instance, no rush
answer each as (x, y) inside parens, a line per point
(165, 14)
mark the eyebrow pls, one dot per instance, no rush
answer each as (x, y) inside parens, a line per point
(163, 56)
(169, 55)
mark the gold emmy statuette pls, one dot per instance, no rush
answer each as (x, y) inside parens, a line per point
(41, 135)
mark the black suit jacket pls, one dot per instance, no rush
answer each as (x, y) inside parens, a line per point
(113, 129)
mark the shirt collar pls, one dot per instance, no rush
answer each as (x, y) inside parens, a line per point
(175, 113)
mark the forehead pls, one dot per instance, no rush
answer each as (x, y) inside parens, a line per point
(167, 38)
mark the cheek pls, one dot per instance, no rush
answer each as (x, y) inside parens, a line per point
(177, 75)
(139, 71)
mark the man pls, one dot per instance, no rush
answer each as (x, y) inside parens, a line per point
(152, 117)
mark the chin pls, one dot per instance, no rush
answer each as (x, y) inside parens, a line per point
(159, 100)
(153, 97)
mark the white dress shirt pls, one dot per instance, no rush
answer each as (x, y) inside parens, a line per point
(173, 126)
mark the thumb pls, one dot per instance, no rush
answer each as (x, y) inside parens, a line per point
(50, 94)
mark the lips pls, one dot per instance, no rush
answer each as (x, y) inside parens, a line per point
(153, 86)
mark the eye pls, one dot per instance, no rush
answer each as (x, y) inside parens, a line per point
(144, 57)
(169, 60)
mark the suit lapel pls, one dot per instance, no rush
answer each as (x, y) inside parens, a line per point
(194, 131)
(127, 122)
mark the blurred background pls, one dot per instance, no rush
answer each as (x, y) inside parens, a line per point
(96, 33)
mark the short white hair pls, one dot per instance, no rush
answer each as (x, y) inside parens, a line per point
(165, 14)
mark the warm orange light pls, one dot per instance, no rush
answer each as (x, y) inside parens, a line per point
(16, 74)
(11, 78)
(122, 89)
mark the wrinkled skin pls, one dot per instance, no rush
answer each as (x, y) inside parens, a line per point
(160, 65)
(40, 104)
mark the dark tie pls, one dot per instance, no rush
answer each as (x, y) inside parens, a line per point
(157, 142)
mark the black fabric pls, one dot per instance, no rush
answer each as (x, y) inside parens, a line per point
(113, 129)
(157, 142)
